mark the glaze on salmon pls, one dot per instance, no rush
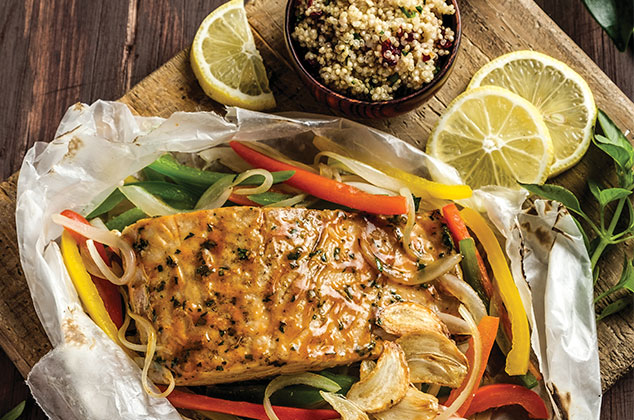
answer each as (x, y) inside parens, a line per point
(241, 293)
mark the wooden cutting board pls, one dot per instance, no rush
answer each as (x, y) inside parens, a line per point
(491, 28)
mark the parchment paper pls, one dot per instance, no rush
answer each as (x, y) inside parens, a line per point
(87, 376)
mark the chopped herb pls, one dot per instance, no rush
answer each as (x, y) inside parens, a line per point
(295, 254)
(203, 270)
(243, 254)
(209, 227)
(189, 235)
(447, 240)
(346, 289)
(208, 244)
(379, 266)
(282, 326)
(420, 9)
(421, 266)
(248, 356)
(404, 53)
(140, 245)
(407, 12)
(336, 253)
(159, 268)
(393, 78)
(169, 261)
(178, 251)
(340, 325)
(351, 255)
(220, 368)
(357, 36)
(161, 286)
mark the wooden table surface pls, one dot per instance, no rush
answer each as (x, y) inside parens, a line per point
(58, 52)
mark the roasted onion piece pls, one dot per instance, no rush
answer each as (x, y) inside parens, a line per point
(384, 386)
(415, 406)
(343, 406)
(434, 359)
(404, 318)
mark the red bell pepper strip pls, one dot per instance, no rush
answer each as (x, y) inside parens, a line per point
(459, 232)
(488, 329)
(79, 238)
(180, 399)
(499, 395)
(325, 188)
(242, 200)
(108, 292)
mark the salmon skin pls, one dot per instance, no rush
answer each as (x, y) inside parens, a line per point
(242, 293)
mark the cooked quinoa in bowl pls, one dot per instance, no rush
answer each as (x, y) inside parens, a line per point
(374, 50)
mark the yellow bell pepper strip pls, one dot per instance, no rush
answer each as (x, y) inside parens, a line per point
(518, 357)
(85, 287)
(324, 188)
(500, 395)
(488, 329)
(418, 186)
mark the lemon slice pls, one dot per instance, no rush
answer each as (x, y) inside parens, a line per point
(226, 62)
(560, 94)
(493, 137)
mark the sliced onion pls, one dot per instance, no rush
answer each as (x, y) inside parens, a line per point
(98, 223)
(329, 172)
(386, 385)
(104, 270)
(347, 409)
(473, 374)
(141, 348)
(226, 156)
(465, 294)
(147, 202)
(403, 318)
(454, 324)
(105, 237)
(289, 202)
(264, 187)
(416, 405)
(433, 358)
(365, 171)
(307, 378)
(369, 188)
(437, 268)
(216, 195)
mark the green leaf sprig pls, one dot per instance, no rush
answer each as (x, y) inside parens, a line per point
(616, 17)
(15, 413)
(604, 232)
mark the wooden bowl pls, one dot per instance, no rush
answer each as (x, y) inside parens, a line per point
(370, 109)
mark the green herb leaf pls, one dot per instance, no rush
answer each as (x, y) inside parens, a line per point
(15, 412)
(407, 12)
(595, 189)
(268, 197)
(616, 17)
(557, 193)
(614, 307)
(625, 283)
(612, 194)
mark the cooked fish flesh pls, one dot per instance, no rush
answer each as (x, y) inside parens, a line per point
(241, 293)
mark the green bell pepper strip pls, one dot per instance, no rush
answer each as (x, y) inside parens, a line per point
(167, 165)
(269, 197)
(177, 196)
(471, 269)
(301, 396)
(124, 219)
(108, 204)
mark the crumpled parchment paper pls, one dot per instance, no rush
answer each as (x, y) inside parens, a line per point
(87, 376)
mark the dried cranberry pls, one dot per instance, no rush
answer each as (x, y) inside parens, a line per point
(426, 58)
(391, 59)
(409, 36)
(316, 13)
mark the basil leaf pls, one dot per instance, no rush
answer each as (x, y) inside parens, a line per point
(614, 307)
(15, 413)
(616, 17)
(612, 131)
(611, 194)
(595, 189)
(621, 155)
(557, 193)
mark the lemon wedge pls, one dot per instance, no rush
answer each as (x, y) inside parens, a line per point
(226, 62)
(561, 95)
(493, 137)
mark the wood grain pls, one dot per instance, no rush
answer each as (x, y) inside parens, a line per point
(132, 38)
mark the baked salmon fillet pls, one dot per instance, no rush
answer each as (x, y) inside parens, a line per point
(241, 293)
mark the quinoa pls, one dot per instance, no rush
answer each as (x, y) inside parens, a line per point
(374, 49)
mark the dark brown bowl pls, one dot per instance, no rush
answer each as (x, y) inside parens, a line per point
(368, 109)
